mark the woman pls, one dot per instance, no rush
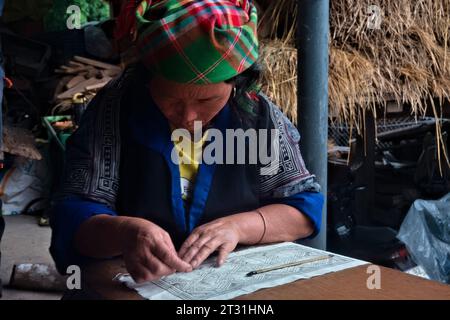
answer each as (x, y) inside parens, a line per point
(124, 195)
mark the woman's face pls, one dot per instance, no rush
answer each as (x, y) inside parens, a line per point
(182, 104)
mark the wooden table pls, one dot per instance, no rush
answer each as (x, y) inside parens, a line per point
(342, 285)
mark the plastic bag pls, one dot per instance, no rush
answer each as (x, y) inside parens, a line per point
(26, 181)
(426, 234)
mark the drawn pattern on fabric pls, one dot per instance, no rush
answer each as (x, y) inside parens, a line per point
(230, 280)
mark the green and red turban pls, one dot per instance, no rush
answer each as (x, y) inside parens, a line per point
(187, 41)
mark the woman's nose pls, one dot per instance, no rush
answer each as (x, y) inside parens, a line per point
(188, 113)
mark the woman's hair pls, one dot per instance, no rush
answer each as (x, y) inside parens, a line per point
(247, 86)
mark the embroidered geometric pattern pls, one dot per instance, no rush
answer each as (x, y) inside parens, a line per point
(288, 174)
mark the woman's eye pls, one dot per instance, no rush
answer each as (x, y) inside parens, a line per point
(208, 100)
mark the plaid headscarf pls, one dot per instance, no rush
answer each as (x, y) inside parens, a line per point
(187, 41)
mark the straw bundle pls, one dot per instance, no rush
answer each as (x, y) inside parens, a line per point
(279, 61)
(277, 27)
(279, 19)
(406, 59)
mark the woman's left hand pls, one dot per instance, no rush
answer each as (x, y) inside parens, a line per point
(221, 235)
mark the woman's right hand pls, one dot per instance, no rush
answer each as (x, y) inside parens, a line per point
(148, 251)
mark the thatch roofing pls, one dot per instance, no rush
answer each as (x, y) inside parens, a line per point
(407, 59)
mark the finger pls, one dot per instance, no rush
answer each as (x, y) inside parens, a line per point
(205, 252)
(222, 256)
(171, 259)
(156, 267)
(169, 243)
(139, 273)
(187, 243)
(196, 247)
(159, 269)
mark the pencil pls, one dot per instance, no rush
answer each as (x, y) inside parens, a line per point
(290, 264)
